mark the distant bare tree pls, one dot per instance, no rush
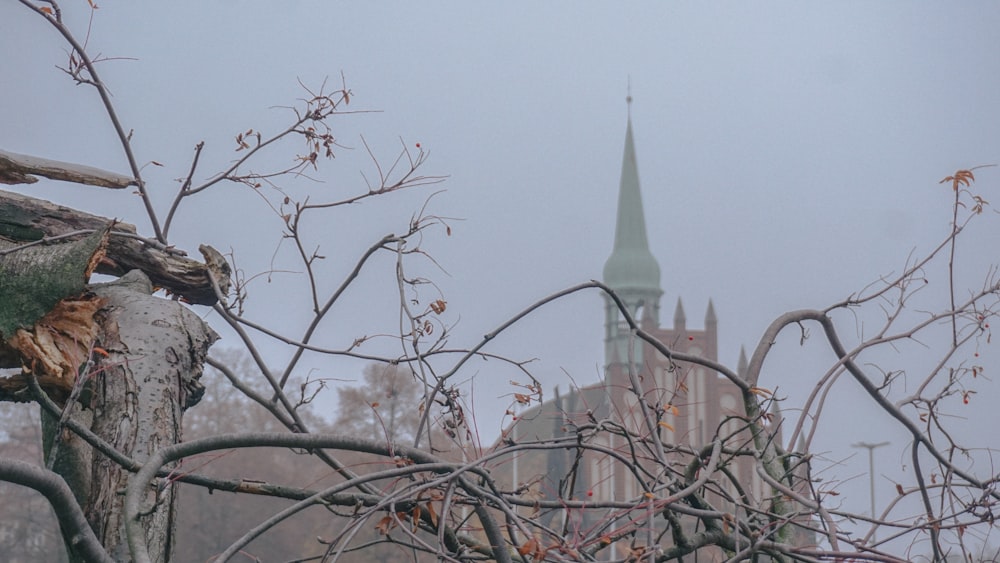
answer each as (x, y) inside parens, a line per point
(386, 406)
(114, 368)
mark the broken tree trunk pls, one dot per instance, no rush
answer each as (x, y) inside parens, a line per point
(26, 219)
(119, 360)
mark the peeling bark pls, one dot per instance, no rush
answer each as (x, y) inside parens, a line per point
(46, 315)
(35, 279)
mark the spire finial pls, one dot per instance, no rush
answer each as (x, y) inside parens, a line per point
(628, 97)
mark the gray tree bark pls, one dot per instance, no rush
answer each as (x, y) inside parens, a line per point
(136, 396)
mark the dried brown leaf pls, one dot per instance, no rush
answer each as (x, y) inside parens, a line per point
(384, 525)
(431, 513)
(528, 547)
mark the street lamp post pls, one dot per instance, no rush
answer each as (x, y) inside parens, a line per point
(871, 468)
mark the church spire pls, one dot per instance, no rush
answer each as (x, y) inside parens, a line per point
(711, 321)
(631, 265)
(680, 319)
(631, 271)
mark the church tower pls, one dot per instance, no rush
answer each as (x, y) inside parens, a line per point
(631, 270)
(701, 397)
(692, 404)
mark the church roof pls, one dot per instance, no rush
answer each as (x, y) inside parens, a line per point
(631, 265)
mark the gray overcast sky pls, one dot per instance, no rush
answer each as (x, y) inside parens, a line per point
(789, 153)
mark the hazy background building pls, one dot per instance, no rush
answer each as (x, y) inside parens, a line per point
(691, 404)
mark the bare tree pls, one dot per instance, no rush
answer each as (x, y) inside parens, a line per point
(386, 406)
(114, 367)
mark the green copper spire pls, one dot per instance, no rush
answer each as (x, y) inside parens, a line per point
(631, 271)
(631, 265)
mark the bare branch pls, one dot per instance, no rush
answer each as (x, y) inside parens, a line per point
(71, 518)
(20, 169)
